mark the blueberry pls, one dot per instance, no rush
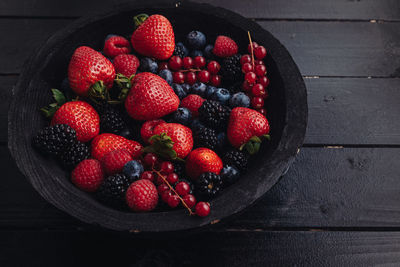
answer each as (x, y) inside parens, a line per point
(239, 100)
(186, 87)
(196, 125)
(196, 39)
(210, 91)
(166, 75)
(182, 116)
(195, 53)
(133, 169)
(179, 91)
(181, 50)
(221, 95)
(208, 51)
(222, 141)
(199, 89)
(149, 65)
(229, 174)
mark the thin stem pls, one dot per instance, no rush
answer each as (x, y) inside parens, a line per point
(194, 70)
(251, 49)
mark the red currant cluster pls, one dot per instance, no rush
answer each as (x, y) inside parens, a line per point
(170, 189)
(191, 70)
(255, 79)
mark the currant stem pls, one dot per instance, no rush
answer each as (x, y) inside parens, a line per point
(194, 70)
(252, 49)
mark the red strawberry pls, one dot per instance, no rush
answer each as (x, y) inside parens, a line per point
(193, 102)
(142, 196)
(147, 129)
(108, 142)
(88, 175)
(225, 47)
(116, 45)
(245, 127)
(114, 161)
(150, 97)
(202, 160)
(154, 37)
(126, 64)
(87, 67)
(81, 116)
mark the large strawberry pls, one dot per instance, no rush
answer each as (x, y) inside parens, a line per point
(202, 160)
(81, 116)
(87, 66)
(245, 128)
(108, 142)
(150, 97)
(154, 37)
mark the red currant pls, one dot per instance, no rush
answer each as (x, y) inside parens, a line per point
(162, 188)
(166, 167)
(215, 80)
(147, 175)
(191, 78)
(250, 77)
(260, 70)
(162, 65)
(262, 111)
(247, 67)
(173, 201)
(199, 62)
(187, 63)
(175, 63)
(264, 81)
(258, 90)
(202, 209)
(179, 77)
(190, 200)
(213, 67)
(172, 178)
(249, 47)
(258, 62)
(246, 86)
(260, 52)
(150, 159)
(257, 102)
(182, 188)
(165, 195)
(204, 76)
(159, 179)
(245, 59)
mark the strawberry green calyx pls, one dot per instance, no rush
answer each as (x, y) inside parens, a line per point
(98, 91)
(125, 84)
(139, 19)
(253, 145)
(53, 107)
(162, 145)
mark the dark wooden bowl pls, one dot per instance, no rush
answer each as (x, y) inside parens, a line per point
(287, 113)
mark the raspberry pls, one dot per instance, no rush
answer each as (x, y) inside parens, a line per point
(114, 161)
(116, 45)
(142, 196)
(147, 129)
(88, 175)
(224, 47)
(126, 64)
(192, 103)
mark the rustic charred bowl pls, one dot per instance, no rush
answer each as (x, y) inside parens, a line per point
(286, 105)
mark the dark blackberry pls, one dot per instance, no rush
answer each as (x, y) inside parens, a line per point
(208, 185)
(206, 137)
(236, 158)
(179, 168)
(111, 121)
(231, 69)
(112, 190)
(54, 140)
(76, 153)
(180, 50)
(214, 114)
(235, 88)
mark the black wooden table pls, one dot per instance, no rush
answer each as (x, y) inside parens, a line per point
(338, 205)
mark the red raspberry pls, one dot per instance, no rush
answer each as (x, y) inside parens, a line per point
(142, 196)
(147, 129)
(193, 102)
(116, 45)
(114, 161)
(88, 175)
(224, 47)
(126, 64)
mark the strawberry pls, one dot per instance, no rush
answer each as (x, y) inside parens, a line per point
(147, 129)
(114, 161)
(142, 195)
(87, 67)
(202, 160)
(154, 37)
(192, 102)
(81, 116)
(150, 97)
(88, 175)
(116, 45)
(107, 142)
(225, 47)
(126, 64)
(245, 128)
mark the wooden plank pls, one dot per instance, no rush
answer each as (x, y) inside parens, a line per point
(319, 48)
(291, 9)
(349, 187)
(205, 249)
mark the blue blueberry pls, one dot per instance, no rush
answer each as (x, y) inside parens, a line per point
(210, 91)
(133, 169)
(186, 87)
(195, 53)
(239, 100)
(199, 89)
(196, 125)
(229, 174)
(181, 50)
(182, 116)
(208, 51)
(221, 95)
(149, 65)
(179, 91)
(166, 75)
(221, 140)
(196, 39)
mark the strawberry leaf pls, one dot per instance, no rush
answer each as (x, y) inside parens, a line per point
(162, 145)
(252, 146)
(267, 136)
(139, 19)
(124, 83)
(58, 96)
(60, 99)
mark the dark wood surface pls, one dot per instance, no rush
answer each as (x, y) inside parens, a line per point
(338, 205)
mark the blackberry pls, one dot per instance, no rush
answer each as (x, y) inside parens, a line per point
(206, 137)
(235, 88)
(76, 153)
(236, 158)
(54, 140)
(231, 69)
(112, 190)
(180, 50)
(111, 121)
(214, 114)
(208, 185)
(179, 168)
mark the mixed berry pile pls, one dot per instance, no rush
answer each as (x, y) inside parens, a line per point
(150, 124)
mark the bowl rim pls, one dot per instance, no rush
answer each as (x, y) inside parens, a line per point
(289, 145)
